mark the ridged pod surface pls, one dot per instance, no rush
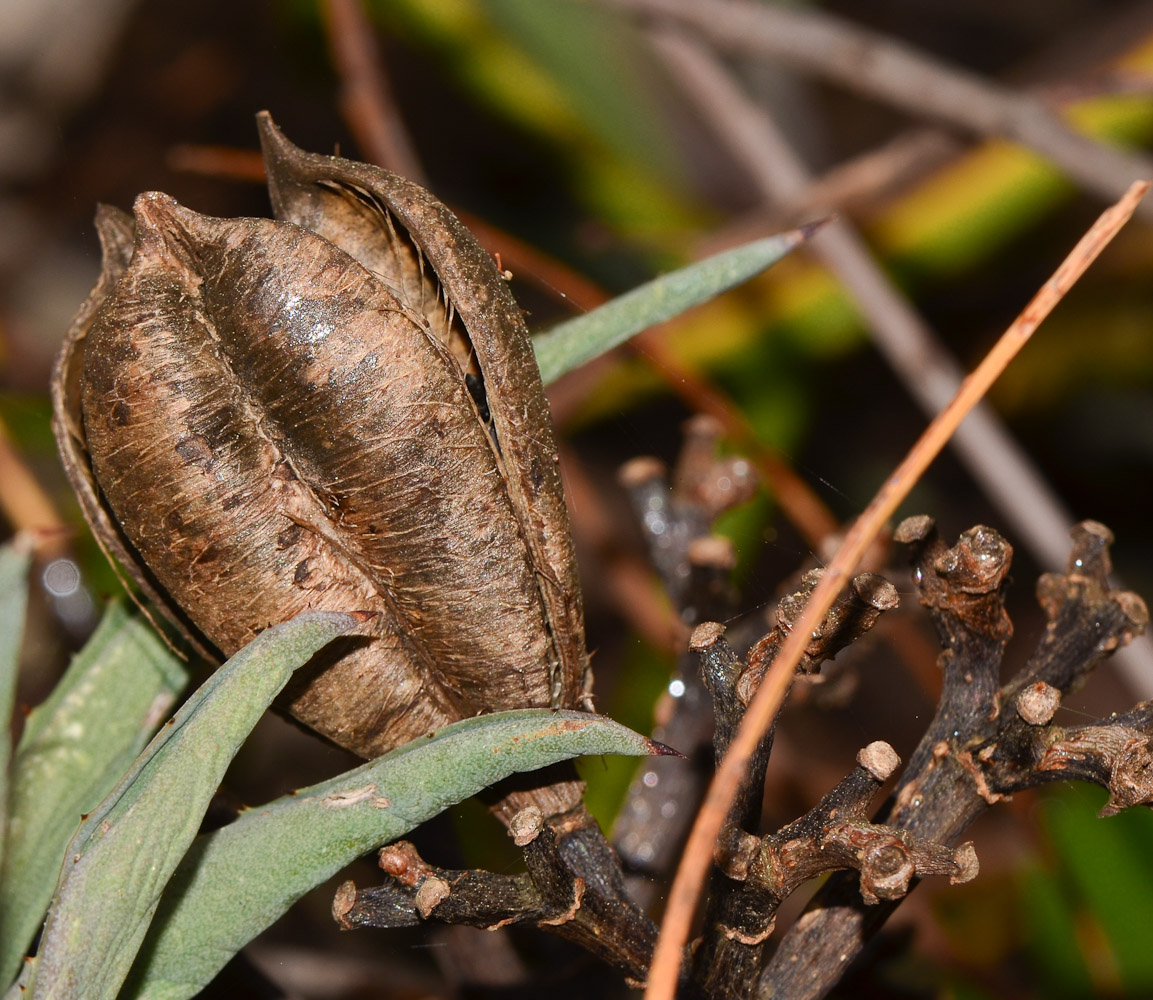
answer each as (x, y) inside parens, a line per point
(339, 409)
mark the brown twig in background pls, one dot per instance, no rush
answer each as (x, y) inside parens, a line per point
(675, 517)
(862, 182)
(763, 709)
(816, 42)
(799, 503)
(1005, 473)
(26, 506)
(632, 585)
(365, 98)
(226, 162)
(849, 188)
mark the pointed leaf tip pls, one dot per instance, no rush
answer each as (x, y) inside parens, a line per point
(810, 229)
(658, 749)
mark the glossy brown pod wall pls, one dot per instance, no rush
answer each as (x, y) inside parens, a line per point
(338, 409)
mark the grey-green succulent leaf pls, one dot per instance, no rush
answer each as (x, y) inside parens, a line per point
(572, 343)
(237, 880)
(74, 748)
(125, 851)
(14, 561)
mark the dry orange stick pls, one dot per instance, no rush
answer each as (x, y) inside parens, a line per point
(25, 504)
(690, 877)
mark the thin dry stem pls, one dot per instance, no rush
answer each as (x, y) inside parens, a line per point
(218, 161)
(891, 71)
(25, 504)
(365, 96)
(694, 865)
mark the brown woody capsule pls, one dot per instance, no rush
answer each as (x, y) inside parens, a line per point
(339, 409)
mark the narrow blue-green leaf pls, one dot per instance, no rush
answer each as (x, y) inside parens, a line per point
(575, 341)
(14, 561)
(236, 881)
(124, 853)
(74, 748)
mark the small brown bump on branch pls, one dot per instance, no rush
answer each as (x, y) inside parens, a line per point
(705, 636)
(432, 892)
(1114, 753)
(1037, 703)
(715, 484)
(526, 825)
(879, 759)
(342, 902)
(968, 867)
(712, 551)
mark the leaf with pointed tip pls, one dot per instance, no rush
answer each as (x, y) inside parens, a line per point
(74, 748)
(126, 850)
(237, 880)
(576, 341)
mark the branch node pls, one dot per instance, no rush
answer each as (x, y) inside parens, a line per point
(968, 867)
(1038, 703)
(342, 902)
(705, 636)
(431, 893)
(526, 825)
(879, 759)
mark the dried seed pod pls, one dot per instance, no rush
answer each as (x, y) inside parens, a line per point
(339, 409)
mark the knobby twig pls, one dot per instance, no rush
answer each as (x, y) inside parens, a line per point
(985, 742)
(675, 517)
(628, 577)
(1006, 474)
(573, 887)
(691, 874)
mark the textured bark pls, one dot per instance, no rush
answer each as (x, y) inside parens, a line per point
(978, 747)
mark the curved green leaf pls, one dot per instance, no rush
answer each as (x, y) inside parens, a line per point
(75, 747)
(236, 881)
(14, 561)
(124, 853)
(573, 342)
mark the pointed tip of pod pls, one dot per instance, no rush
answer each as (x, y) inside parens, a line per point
(153, 201)
(272, 140)
(157, 217)
(160, 218)
(286, 171)
(117, 234)
(154, 211)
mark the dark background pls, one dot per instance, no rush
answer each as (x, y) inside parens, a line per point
(554, 123)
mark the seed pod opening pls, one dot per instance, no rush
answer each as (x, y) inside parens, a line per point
(338, 409)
